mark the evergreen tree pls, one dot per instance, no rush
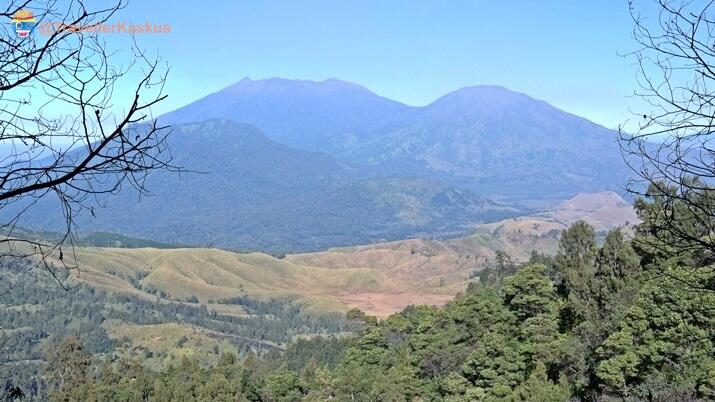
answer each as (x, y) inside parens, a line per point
(68, 371)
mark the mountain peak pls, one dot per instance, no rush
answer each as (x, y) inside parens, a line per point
(480, 95)
(484, 89)
(279, 85)
(313, 115)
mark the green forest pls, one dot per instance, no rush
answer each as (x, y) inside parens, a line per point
(622, 319)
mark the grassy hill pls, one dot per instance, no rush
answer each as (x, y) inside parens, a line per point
(132, 320)
(380, 279)
(408, 271)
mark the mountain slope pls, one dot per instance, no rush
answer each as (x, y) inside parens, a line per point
(325, 116)
(499, 141)
(245, 191)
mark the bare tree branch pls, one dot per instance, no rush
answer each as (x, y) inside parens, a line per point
(61, 117)
(672, 151)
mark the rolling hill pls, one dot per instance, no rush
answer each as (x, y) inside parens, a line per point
(165, 304)
(379, 279)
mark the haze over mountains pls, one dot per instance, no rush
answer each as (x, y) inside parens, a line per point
(293, 165)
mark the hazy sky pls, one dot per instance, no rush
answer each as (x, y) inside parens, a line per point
(566, 52)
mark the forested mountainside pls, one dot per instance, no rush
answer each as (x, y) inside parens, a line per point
(244, 191)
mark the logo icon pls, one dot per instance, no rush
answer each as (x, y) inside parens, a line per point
(24, 23)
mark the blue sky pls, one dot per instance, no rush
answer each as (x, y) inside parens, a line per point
(568, 53)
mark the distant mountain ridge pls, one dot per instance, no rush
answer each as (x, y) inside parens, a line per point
(244, 191)
(486, 138)
(291, 165)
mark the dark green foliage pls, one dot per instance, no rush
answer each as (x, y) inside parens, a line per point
(530, 293)
(575, 267)
(666, 335)
(603, 332)
(593, 327)
(283, 385)
(496, 270)
(673, 232)
(328, 351)
(546, 260)
(539, 388)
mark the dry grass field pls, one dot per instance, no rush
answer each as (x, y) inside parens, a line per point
(379, 279)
